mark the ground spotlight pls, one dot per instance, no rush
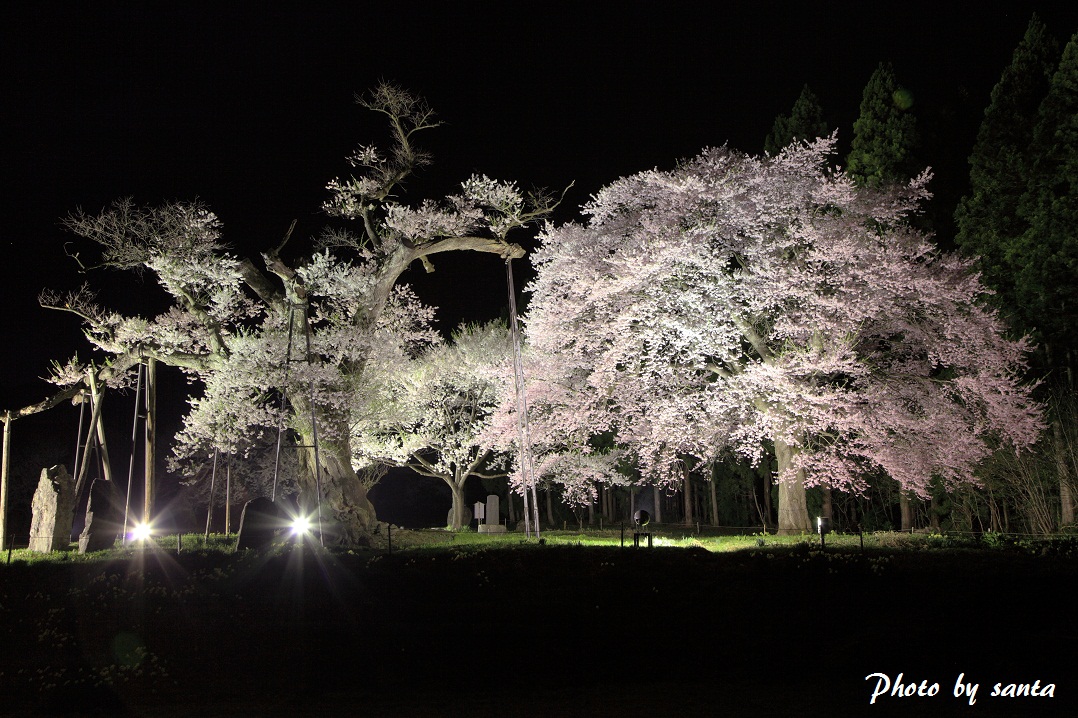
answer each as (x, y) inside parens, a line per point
(641, 518)
(141, 532)
(301, 526)
(823, 527)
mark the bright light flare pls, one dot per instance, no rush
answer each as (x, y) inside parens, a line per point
(301, 526)
(141, 532)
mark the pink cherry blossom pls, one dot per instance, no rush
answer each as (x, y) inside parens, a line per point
(737, 303)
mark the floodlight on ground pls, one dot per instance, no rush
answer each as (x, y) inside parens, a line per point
(301, 526)
(641, 519)
(823, 527)
(141, 532)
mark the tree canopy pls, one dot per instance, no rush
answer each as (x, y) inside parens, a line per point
(754, 304)
(231, 321)
(432, 411)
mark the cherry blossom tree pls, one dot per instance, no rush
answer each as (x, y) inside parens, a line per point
(431, 412)
(754, 304)
(230, 322)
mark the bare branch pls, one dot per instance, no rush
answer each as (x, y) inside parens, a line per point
(408, 114)
(80, 302)
(284, 241)
(333, 238)
(131, 236)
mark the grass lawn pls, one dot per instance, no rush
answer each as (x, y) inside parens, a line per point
(481, 624)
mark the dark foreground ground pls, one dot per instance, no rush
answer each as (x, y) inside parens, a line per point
(539, 631)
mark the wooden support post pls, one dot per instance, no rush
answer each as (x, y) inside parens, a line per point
(4, 464)
(150, 441)
(98, 398)
(228, 494)
(90, 443)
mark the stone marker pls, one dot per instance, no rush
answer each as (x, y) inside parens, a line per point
(54, 509)
(492, 524)
(104, 517)
(259, 524)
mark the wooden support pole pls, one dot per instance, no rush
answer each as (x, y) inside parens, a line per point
(150, 441)
(98, 398)
(4, 464)
(95, 417)
(228, 494)
(134, 445)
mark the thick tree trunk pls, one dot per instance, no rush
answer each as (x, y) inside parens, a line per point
(658, 503)
(714, 500)
(346, 515)
(905, 508)
(456, 520)
(687, 487)
(1066, 498)
(768, 509)
(793, 507)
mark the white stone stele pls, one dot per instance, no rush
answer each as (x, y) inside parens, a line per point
(491, 512)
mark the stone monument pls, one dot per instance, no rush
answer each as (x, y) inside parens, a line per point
(259, 524)
(54, 510)
(104, 517)
(492, 523)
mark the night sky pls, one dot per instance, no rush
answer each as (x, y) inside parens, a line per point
(252, 112)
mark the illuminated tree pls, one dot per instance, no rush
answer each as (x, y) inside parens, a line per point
(229, 322)
(431, 412)
(737, 303)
